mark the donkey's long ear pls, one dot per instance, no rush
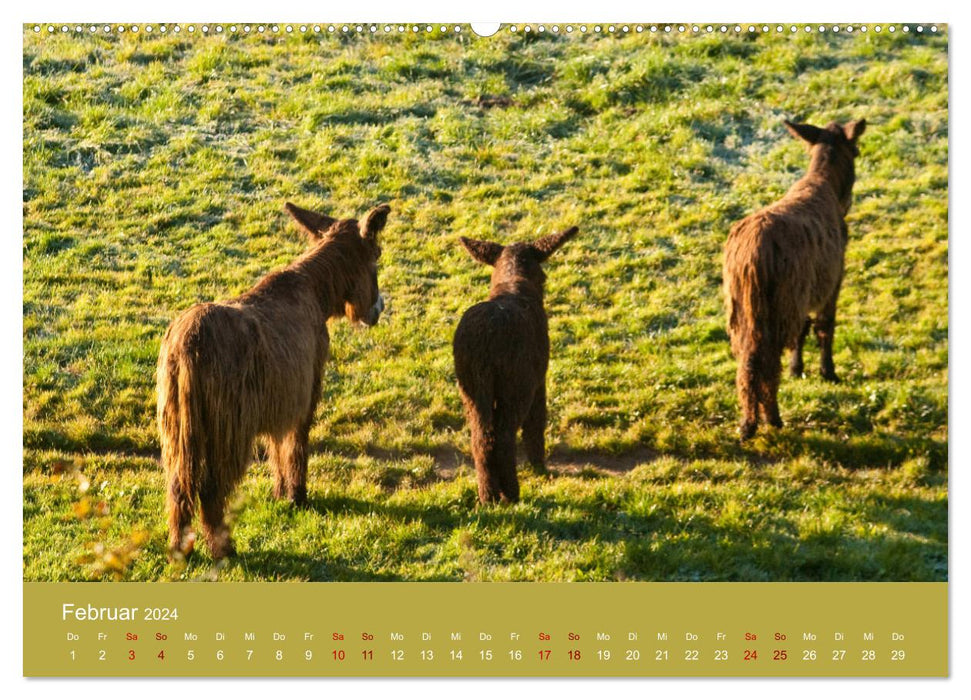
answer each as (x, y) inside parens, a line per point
(374, 221)
(854, 130)
(312, 223)
(484, 251)
(547, 244)
(807, 132)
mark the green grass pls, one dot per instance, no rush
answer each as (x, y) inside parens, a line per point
(155, 170)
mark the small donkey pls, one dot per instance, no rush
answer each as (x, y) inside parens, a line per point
(502, 350)
(251, 366)
(785, 263)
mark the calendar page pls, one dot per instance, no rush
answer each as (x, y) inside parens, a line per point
(585, 349)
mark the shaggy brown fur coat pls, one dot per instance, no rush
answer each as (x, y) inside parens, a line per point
(502, 349)
(231, 371)
(783, 269)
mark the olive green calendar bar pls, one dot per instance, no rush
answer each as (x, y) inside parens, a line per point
(485, 629)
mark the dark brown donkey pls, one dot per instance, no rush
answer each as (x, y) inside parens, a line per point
(783, 269)
(229, 372)
(502, 350)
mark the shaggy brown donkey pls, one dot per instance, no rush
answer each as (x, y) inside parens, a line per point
(783, 269)
(229, 372)
(502, 350)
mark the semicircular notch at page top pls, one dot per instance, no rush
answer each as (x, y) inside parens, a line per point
(485, 28)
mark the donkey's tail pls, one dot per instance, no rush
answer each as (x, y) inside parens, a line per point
(749, 284)
(748, 327)
(758, 289)
(181, 433)
(486, 441)
(481, 420)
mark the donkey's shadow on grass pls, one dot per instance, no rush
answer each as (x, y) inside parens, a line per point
(871, 450)
(662, 545)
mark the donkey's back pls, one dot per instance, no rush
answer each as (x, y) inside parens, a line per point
(239, 354)
(784, 262)
(502, 347)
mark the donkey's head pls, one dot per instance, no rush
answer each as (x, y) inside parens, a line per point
(517, 267)
(357, 242)
(833, 149)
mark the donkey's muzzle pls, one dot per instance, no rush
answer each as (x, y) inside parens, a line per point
(375, 313)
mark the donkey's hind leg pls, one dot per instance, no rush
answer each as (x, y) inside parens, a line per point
(483, 454)
(534, 431)
(212, 498)
(747, 383)
(277, 454)
(504, 466)
(479, 414)
(181, 505)
(769, 375)
(289, 455)
(226, 467)
(503, 457)
(825, 326)
(796, 368)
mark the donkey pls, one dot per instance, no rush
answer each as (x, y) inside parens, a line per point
(783, 269)
(232, 371)
(502, 350)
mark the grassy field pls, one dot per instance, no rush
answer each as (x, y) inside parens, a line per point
(155, 172)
